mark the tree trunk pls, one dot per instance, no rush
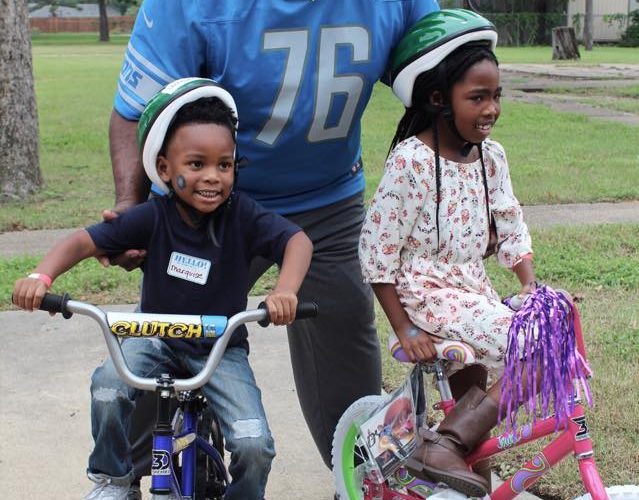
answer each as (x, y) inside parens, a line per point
(19, 162)
(104, 21)
(588, 28)
(564, 43)
(541, 8)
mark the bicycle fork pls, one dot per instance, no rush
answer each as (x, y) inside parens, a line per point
(162, 475)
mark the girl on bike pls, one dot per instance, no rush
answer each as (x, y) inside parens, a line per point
(444, 204)
(199, 242)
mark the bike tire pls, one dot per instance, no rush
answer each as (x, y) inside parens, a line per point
(622, 492)
(349, 475)
(209, 481)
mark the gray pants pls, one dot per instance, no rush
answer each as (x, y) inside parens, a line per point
(336, 356)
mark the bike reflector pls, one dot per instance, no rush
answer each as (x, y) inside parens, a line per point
(390, 432)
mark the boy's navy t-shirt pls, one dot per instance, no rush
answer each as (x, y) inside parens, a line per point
(184, 272)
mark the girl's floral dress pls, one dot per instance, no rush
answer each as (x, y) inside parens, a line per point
(445, 293)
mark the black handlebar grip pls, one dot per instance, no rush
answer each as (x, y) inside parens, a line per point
(304, 310)
(56, 303)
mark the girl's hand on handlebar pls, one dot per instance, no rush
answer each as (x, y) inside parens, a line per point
(516, 301)
(281, 306)
(417, 344)
(28, 293)
(528, 288)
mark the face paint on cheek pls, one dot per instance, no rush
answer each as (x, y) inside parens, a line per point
(180, 182)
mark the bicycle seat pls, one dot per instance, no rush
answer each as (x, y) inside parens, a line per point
(449, 350)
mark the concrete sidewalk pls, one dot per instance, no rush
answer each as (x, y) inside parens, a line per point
(45, 419)
(18, 243)
(534, 84)
(47, 362)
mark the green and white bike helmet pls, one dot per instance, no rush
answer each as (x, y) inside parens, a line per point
(430, 40)
(159, 112)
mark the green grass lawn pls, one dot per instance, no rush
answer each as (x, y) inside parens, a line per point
(75, 85)
(600, 54)
(63, 39)
(624, 99)
(554, 158)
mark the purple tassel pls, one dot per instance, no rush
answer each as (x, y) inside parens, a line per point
(546, 322)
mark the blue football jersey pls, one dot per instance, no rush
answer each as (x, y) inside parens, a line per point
(300, 71)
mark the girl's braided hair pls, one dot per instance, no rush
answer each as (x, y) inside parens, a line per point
(423, 114)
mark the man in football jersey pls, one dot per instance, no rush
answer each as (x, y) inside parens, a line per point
(301, 73)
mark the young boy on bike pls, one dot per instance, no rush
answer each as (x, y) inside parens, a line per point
(199, 240)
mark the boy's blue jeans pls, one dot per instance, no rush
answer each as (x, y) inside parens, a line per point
(232, 394)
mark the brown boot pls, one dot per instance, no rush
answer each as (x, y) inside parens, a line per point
(440, 456)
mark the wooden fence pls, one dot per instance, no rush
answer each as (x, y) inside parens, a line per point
(121, 24)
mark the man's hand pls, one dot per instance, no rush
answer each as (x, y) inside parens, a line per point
(129, 260)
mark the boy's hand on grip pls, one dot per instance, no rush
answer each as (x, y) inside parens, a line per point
(28, 293)
(281, 306)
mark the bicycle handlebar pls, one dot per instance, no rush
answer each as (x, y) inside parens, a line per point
(56, 304)
(67, 307)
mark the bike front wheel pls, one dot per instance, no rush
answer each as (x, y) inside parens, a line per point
(210, 480)
(351, 461)
(625, 492)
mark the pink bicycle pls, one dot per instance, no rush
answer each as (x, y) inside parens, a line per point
(371, 444)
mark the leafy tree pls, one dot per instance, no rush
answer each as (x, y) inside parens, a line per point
(19, 162)
(631, 37)
(514, 6)
(521, 21)
(53, 5)
(122, 5)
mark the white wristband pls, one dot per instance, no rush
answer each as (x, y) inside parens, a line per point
(46, 279)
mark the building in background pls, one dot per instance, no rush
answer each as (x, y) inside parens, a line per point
(84, 18)
(610, 18)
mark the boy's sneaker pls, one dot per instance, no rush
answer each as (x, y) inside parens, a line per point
(104, 489)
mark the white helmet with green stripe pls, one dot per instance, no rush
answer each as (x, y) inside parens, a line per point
(159, 112)
(430, 40)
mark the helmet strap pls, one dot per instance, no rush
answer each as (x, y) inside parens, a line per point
(196, 218)
(445, 108)
(437, 177)
(449, 116)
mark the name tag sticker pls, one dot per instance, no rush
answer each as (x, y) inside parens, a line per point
(189, 268)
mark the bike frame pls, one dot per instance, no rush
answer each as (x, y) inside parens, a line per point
(573, 437)
(163, 477)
